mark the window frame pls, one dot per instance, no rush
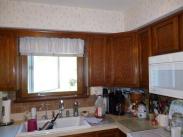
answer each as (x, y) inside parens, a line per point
(23, 96)
(31, 71)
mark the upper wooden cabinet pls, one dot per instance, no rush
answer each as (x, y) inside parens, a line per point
(97, 61)
(124, 60)
(165, 36)
(181, 30)
(144, 42)
(113, 61)
(8, 61)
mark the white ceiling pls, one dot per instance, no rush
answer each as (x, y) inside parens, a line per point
(115, 5)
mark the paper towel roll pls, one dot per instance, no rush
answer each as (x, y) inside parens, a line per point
(6, 111)
(96, 91)
(1, 105)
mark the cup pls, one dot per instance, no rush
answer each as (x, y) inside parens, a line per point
(162, 120)
(175, 131)
(32, 125)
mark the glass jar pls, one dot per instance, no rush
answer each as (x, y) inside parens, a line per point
(177, 120)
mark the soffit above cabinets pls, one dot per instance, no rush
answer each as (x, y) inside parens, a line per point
(114, 5)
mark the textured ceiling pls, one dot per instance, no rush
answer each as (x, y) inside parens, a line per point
(115, 5)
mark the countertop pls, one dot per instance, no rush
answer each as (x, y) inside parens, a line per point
(9, 131)
(125, 123)
(160, 132)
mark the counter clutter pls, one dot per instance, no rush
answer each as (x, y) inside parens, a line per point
(125, 123)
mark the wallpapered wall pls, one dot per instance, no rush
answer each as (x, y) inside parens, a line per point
(147, 11)
(43, 16)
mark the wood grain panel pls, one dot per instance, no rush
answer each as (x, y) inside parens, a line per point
(144, 41)
(102, 133)
(181, 30)
(165, 36)
(124, 59)
(97, 61)
(8, 61)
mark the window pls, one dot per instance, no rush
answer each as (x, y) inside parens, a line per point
(51, 77)
(51, 68)
(52, 74)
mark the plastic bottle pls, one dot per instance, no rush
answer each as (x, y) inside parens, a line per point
(32, 122)
(99, 104)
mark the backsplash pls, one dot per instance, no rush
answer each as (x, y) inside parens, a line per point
(161, 103)
(52, 105)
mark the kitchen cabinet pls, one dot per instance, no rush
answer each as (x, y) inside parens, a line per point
(181, 31)
(97, 60)
(8, 61)
(124, 60)
(111, 133)
(165, 36)
(144, 42)
(103, 133)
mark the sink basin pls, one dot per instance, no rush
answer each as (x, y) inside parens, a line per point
(61, 125)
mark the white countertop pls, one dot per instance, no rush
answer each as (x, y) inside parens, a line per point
(111, 122)
(9, 131)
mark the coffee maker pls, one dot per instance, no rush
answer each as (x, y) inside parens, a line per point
(116, 102)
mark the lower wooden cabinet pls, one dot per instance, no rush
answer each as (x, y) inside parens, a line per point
(103, 133)
(110, 133)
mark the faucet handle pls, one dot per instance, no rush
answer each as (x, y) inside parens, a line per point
(67, 113)
(76, 103)
(76, 109)
(61, 101)
(61, 105)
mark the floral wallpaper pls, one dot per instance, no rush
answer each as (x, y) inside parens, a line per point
(43, 16)
(149, 10)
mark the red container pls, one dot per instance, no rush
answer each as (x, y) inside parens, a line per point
(32, 125)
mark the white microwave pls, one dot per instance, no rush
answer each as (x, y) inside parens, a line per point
(166, 75)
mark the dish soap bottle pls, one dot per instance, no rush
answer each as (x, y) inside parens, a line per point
(99, 105)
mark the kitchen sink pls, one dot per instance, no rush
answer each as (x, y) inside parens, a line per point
(61, 125)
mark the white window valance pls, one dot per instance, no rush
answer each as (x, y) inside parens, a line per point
(51, 46)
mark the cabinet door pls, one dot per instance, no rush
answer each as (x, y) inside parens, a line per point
(8, 61)
(144, 41)
(110, 133)
(165, 36)
(124, 60)
(92, 134)
(103, 133)
(97, 60)
(181, 30)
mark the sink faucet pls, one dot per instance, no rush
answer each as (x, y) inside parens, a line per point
(61, 108)
(76, 109)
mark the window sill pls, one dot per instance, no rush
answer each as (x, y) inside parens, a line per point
(47, 98)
